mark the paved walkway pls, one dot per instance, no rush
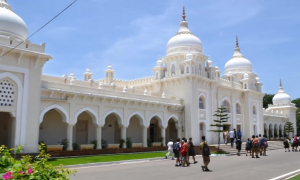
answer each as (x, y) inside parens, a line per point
(243, 167)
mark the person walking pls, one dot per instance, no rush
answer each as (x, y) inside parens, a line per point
(225, 137)
(286, 145)
(264, 145)
(231, 136)
(239, 134)
(176, 151)
(255, 146)
(184, 153)
(235, 134)
(170, 149)
(260, 149)
(238, 143)
(295, 143)
(204, 147)
(292, 143)
(191, 151)
(248, 146)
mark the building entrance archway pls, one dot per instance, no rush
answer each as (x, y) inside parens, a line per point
(7, 129)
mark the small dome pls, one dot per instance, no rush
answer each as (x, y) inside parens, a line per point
(10, 23)
(184, 38)
(246, 76)
(257, 79)
(189, 56)
(238, 63)
(159, 62)
(209, 62)
(281, 97)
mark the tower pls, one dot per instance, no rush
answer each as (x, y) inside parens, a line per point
(109, 75)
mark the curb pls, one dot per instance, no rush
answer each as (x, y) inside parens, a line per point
(113, 162)
(221, 155)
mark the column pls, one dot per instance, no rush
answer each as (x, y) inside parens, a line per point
(268, 133)
(145, 136)
(123, 134)
(99, 137)
(163, 134)
(178, 133)
(70, 136)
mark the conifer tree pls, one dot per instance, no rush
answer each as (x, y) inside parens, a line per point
(222, 118)
(288, 128)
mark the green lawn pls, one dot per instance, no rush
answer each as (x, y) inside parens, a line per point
(104, 158)
(295, 178)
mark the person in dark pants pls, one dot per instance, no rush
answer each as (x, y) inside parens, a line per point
(238, 143)
(206, 158)
(191, 151)
(231, 136)
(235, 134)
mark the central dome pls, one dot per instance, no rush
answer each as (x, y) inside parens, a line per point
(184, 38)
(238, 63)
(10, 23)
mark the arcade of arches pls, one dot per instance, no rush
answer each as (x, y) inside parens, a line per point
(54, 129)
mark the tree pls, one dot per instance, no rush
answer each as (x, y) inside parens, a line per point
(297, 103)
(288, 128)
(268, 100)
(222, 118)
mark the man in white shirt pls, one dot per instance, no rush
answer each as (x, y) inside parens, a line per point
(231, 136)
(170, 149)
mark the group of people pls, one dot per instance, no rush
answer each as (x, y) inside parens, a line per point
(254, 146)
(183, 149)
(293, 142)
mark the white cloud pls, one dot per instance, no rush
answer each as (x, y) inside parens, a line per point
(151, 34)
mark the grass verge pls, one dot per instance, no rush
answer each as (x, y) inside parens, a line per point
(295, 177)
(104, 158)
(219, 152)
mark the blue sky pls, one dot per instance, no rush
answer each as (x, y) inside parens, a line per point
(131, 34)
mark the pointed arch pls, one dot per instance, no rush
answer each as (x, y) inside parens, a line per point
(91, 112)
(21, 115)
(116, 113)
(139, 116)
(159, 118)
(64, 114)
(226, 103)
(175, 118)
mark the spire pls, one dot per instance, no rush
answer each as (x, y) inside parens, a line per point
(280, 84)
(237, 41)
(3, 3)
(183, 14)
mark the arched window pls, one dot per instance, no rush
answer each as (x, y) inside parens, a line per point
(245, 86)
(173, 69)
(187, 70)
(156, 76)
(201, 103)
(200, 69)
(254, 110)
(238, 108)
(226, 105)
(7, 91)
(193, 69)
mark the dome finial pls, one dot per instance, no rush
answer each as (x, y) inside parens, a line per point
(183, 14)
(280, 84)
(237, 41)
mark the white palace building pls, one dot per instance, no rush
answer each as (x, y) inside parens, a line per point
(179, 100)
